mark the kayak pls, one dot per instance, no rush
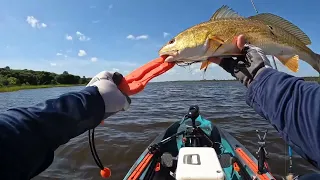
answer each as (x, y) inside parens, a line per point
(195, 148)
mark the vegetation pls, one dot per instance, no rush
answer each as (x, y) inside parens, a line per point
(315, 79)
(16, 79)
(17, 88)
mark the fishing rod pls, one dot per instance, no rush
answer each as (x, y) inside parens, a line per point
(289, 147)
(254, 7)
(290, 160)
(274, 61)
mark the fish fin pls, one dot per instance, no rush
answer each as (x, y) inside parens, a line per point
(274, 20)
(221, 47)
(290, 61)
(316, 66)
(225, 12)
(204, 65)
(212, 44)
(217, 39)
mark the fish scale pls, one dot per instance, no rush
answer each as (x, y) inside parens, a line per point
(214, 38)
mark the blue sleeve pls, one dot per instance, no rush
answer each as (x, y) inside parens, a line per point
(29, 136)
(292, 106)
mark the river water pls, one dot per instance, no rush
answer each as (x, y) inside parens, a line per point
(123, 137)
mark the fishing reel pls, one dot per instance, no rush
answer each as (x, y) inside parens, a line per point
(194, 135)
(240, 63)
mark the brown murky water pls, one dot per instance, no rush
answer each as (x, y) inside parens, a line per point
(124, 136)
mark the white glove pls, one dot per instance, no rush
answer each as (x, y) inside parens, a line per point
(114, 99)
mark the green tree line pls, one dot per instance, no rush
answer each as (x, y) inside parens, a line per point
(16, 77)
(315, 79)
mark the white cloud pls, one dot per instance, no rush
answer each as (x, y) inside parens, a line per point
(142, 37)
(122, 63)
(132, 37)
(172, 72)
(82, 53)
(127, 63)
(35, 23)
(94, 59)
(95, 21)
(193, 72)
(126, 72)
(82, 37)
(43, 25)
(53, 64)
(32, 21)
(68, 37)
(196, 71)
(79, 33)
(59, 54)
(115, 70)
(165, 34)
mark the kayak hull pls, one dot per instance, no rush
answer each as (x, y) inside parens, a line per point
(237, 162)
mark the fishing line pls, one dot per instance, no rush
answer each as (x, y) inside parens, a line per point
(184, 64)
(187, 64)
(254, 7)
(289, 148)
(274, 61)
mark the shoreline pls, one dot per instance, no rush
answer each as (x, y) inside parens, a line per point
(26, 87)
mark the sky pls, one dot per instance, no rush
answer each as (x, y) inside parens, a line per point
(85, 37)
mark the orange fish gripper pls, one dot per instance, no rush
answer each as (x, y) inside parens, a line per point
(136, 81)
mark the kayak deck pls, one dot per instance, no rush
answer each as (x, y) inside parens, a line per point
(236, 161)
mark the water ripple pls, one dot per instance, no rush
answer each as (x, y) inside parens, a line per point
(124, 136)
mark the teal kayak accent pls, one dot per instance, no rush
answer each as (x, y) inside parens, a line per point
(205, 125)
(227, 153)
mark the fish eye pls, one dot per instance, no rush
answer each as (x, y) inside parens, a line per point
(171, 41)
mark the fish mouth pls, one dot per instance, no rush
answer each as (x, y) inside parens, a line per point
(170, 56)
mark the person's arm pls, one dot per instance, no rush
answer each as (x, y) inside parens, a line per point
(29, 136)
(292, 106)
(289, 103)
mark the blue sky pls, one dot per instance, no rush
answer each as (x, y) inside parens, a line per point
(86, 37)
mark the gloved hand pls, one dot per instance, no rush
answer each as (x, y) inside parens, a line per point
(114, 99)
(246, 68)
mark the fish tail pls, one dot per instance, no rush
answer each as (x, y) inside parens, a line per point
(317, 58)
